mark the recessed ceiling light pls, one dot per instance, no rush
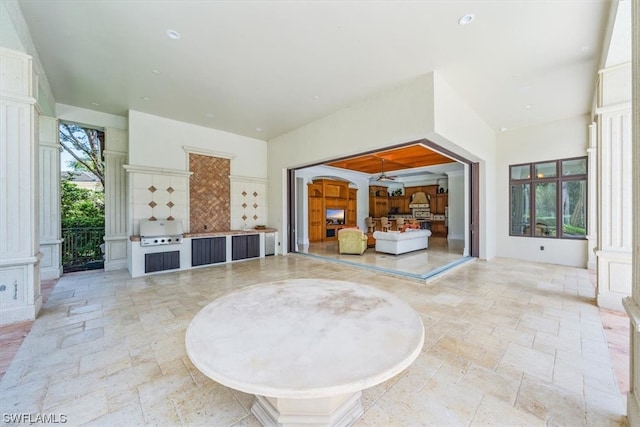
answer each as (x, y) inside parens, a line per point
(466, 19)
(144, 98)
(529, 106)
(585, 48)
(503, 129)
(315, 97)
(259, 129)
(173, 34)
(154, 71)
(95, 103)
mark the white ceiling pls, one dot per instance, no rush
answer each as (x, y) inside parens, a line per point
(277, 65)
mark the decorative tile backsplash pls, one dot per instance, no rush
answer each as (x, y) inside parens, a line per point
(153, 203)
(209, 193)
(248, 202)
(158, 196)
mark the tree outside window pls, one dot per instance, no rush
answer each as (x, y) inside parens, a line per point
(82, 207)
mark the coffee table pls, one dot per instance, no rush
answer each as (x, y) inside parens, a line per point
(305, 347)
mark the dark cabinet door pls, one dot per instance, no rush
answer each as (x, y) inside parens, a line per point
(243, 247)
(153, 262)
(161, 261)
(209, 250)
(253, 246)
(238, 247)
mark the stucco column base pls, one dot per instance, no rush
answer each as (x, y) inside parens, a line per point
(20, 298)
(339, 411)
(633, 408)
(614, 278)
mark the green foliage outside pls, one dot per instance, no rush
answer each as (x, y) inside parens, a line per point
(82, 210)
(572, 230)
(80, 207)
(82, 213)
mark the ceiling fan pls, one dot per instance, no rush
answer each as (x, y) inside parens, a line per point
(383, 177)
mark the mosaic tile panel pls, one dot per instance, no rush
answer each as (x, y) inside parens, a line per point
(209, 193)
(152, 204)
(248, 203)
(159, 196)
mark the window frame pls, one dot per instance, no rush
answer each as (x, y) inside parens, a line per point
(559, 179)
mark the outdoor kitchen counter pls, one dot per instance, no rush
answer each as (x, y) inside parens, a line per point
(200, 249)
(230, 232)
(219, 233)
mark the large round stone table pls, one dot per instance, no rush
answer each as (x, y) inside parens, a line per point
(306, 347)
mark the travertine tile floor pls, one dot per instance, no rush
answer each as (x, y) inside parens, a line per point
(507, 343)
(12, 336)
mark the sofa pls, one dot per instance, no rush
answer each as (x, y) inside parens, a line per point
(396, 242)
(352, 241)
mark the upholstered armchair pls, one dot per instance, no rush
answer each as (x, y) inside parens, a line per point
(352, 241)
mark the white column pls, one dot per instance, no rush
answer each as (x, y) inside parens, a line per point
(50, 228)
(20, 297)
(592, 207)
(632, 304)
(614, 186)
(115, 201)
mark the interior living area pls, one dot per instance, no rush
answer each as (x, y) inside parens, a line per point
(412, 191)
(474, 161)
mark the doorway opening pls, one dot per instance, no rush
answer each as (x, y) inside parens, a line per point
(82, 179)
(448, 180)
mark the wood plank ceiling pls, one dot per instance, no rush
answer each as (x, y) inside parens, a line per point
(409, 157)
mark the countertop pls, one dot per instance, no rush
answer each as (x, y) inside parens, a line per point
(219, 233)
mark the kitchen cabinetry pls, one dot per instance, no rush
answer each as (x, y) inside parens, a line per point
(439, 203)
(246, 246)
(380, 204)
(438, 229)
(378, 201)
(316, 219)
(209, 250)
(161, 261)
(324, 194)
(201, 250)
(352, 207)
(398, 204)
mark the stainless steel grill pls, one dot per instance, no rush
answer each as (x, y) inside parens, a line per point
(160, 232)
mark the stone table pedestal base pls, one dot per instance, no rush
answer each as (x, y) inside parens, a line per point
(338, 411)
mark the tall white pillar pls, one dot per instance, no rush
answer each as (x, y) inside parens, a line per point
(20, 297)
(50, 221)
(115, 201)
(632, 304)
(592, 197)
(614, 186)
